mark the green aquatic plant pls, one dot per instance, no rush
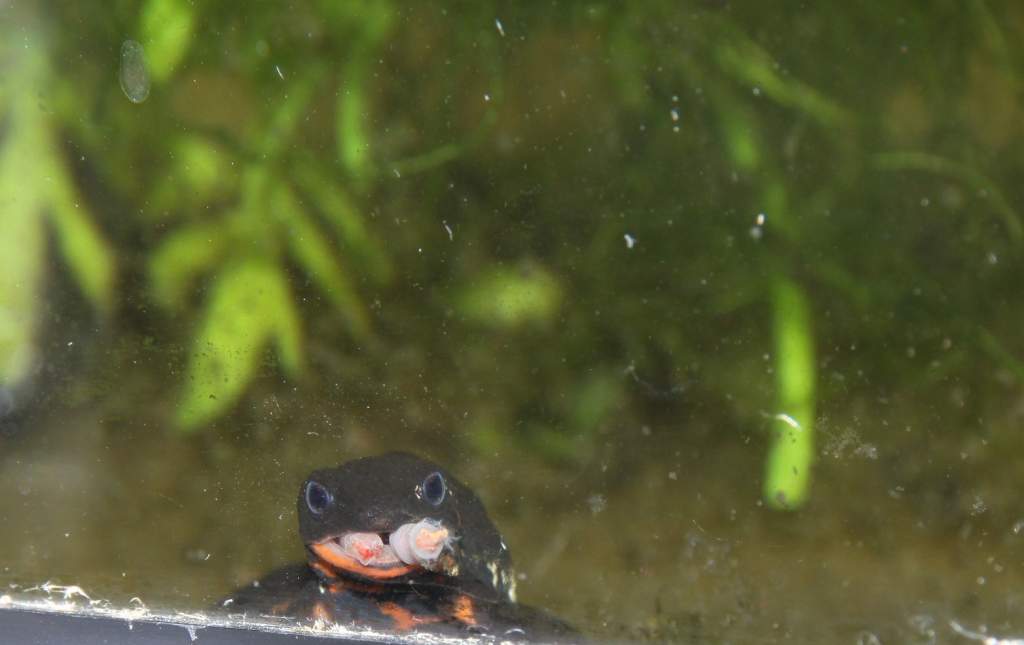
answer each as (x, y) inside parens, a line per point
(791, 453)
(37, 191)
(790, 456)
(246, 246)
(508, 298)
(575, 227)
(923, 162)
(166, 29)
(251, 305)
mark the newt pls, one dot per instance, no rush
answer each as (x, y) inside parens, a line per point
(397, 543)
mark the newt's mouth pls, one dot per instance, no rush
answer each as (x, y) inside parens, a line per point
(409, 548)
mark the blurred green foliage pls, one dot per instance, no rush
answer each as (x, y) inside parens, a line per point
(166, 28)
(36, 188)
(571, 227)
(250, 305)
(507, 298)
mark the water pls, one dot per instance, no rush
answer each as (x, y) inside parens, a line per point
(745, 372)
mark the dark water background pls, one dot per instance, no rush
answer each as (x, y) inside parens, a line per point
(550, 245)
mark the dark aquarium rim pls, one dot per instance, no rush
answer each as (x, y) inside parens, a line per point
(59, 623)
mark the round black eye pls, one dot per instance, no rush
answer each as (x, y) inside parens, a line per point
(434, 489)
(318, 498)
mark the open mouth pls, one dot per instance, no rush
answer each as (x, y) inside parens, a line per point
(410, 547)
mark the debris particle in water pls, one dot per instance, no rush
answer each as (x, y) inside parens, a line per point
(197, 555)
(451, 236)
(757, 230)
(978, 505)
(501, 29)
(487, 98)
(867, 638)
(67, 591)
(133, 74)
(788, 420)
(982, 637)
(280, 74)
(674, 112)
(597, 503)
(630, 240)
(867, 451)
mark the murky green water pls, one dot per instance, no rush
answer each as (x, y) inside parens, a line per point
(716, 306)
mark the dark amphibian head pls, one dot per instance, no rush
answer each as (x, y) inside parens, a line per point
(395, 519)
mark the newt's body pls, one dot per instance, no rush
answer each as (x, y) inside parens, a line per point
(395, 542)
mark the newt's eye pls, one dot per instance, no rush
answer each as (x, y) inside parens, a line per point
(318, 498)
(433, 488)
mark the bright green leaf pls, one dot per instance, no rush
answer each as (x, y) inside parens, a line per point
(287, 333)
(167, 27)
(349, 224)
(753, 65)
(310, 249)
(182, 257)
(21, 261)
(35, 182)
(507, 298)
(369, 24)
(200, 174)
(202, 168)
(353, 143)
(250, 303)
(84, 248)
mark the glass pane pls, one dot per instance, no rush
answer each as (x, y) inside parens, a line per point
(712, 305)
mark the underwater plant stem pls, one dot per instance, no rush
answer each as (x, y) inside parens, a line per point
(926, 162)
(788, 466)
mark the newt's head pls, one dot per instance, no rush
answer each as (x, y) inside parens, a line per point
(396, 518)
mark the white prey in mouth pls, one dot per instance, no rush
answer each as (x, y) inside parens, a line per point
(416, 543)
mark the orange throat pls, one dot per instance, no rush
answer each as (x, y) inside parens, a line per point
(329, 553)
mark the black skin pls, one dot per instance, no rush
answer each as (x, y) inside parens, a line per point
(379, 494)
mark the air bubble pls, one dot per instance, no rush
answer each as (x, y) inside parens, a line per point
(134, 76)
